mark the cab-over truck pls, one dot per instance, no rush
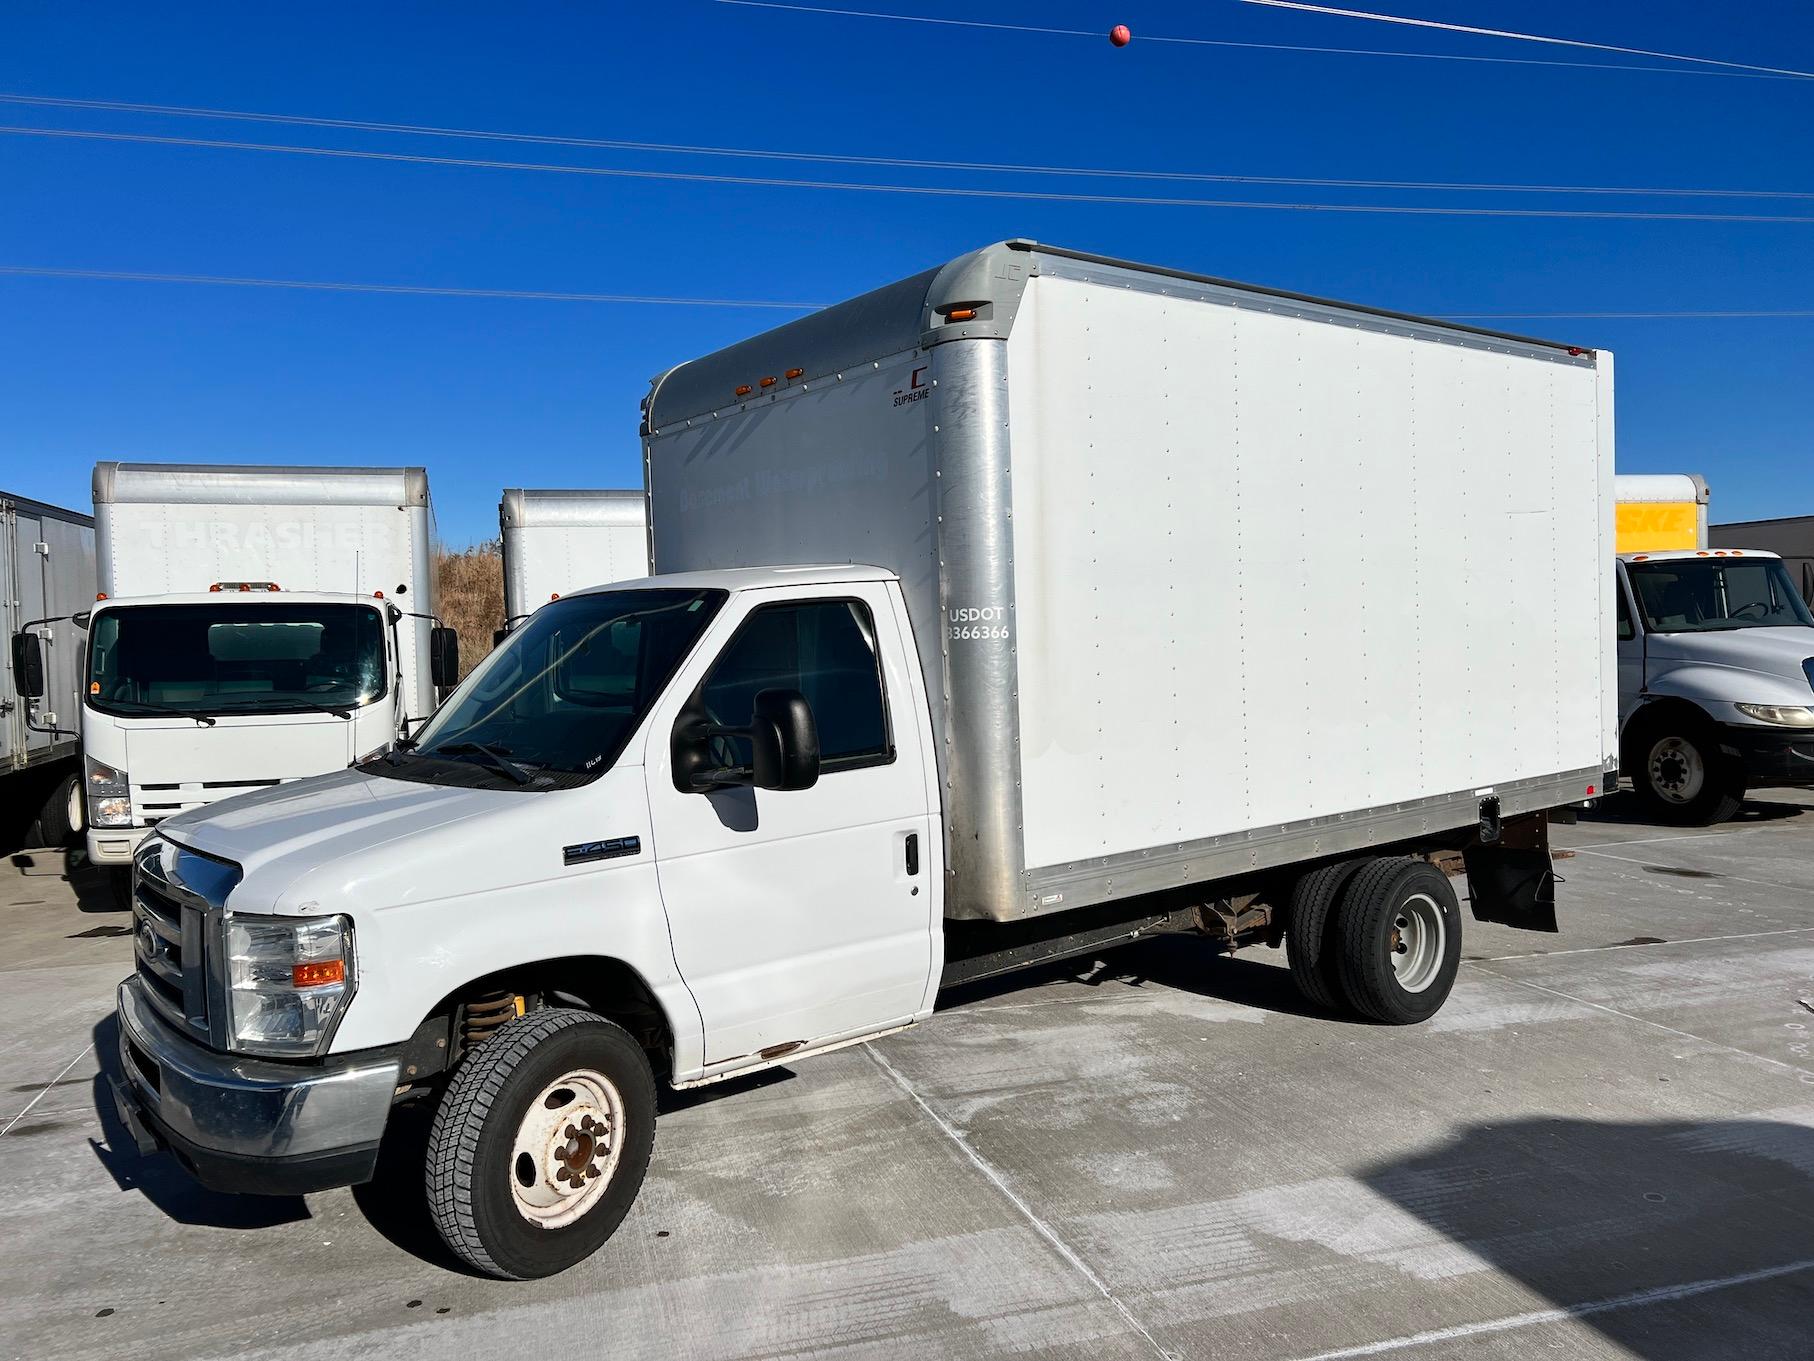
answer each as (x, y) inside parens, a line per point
(1135, 602)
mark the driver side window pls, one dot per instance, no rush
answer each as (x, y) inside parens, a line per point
(826, 650)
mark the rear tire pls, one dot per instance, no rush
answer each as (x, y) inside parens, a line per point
(60, 819)
(1682, 777)
(1310, 940)
(540, 1144)
(1400, 931)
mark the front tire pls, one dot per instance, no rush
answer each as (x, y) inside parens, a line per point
(1400, 931)
(60, 820)
(540, 1143)
(1683, 778)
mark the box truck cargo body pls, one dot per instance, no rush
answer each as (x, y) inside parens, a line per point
(1033, 605)
(558, 541)
(1660, 512)
(1203, 578)
(256, 625)
(47, 574)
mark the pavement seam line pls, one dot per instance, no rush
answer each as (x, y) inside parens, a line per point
(46, 1088)
(1663, 1294)
(1807, 1074)
(1735, 878)
(1685, 836)
(1644, 945)
(1000, 1181)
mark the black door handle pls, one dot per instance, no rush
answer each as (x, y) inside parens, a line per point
(913, 853)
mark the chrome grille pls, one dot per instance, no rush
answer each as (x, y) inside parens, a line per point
(169, 925)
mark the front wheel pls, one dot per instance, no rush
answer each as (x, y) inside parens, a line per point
(1400, 931)
(1683, 777)
(540, 1143)
(60, 820)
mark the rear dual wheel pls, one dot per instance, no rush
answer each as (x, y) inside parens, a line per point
(1381, 936)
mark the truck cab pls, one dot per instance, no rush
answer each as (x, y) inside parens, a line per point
(190, 698)
(1716, 679)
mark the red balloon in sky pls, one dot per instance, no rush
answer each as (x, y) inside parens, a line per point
(1121, 35)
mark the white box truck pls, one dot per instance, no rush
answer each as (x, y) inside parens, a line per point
(1035, 603)
(558, 541)
(252, 626)
(1716, 655)
(46, 574)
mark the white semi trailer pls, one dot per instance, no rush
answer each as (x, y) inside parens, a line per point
(46, 574)
(253, 626)
(1132, 602)
(558, 541)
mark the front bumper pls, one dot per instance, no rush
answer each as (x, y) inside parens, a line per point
(1771, 756)
(250, 1125)
(114, 845)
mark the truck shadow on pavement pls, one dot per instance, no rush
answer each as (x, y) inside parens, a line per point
(1624, 810)
(158, 1177)
(1670, 1239)
(1253, 978)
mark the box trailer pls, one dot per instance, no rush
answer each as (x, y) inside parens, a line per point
(255, 625)
(558, 541)
(47, 573)
(1035, 604)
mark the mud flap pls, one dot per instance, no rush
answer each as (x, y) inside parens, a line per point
(1514, 886)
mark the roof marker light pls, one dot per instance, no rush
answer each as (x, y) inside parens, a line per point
(100, 595)
(555, 595)
(377, 595)
(769, 382)
(1640, 557)
(961, 314)
(744, 389)
(794, 373)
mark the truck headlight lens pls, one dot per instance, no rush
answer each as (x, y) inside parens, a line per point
(1783, 715)
(109, 795)
(288, 980)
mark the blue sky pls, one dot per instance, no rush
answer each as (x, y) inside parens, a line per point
(490, 393)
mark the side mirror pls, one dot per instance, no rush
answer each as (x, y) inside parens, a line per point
(28, 665)
(784, 741)
(499, 635)
(444, 657)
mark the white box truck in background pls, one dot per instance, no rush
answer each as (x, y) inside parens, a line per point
(253, 626)
(1716, 657)
(46, 574)
(558, 541)
(1135, 602)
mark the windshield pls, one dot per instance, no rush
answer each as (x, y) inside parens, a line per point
(1704, 595)
(566, 690)
(235, 657)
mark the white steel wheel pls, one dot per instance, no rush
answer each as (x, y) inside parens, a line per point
(1677, 770)
(1418, 941)
(567, 1148)
(74, 813)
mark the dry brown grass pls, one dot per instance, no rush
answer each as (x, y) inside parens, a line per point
(469, 597)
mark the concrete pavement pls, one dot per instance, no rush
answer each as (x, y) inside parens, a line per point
(1603, 1146)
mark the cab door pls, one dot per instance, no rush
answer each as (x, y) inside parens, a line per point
(804, 916)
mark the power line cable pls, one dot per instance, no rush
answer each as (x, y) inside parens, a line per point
(889, 162)
(543, 295)
(1441, 26)
(319, 285)
(935, 191)
(1256, 46)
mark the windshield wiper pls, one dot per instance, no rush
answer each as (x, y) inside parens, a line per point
(293, 705)
(495, 757)
(201, 716)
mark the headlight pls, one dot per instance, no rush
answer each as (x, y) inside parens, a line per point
(1783, 715)
(288, 980)
(109, 795)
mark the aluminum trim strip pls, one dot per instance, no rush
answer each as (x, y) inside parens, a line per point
(1083, 883)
